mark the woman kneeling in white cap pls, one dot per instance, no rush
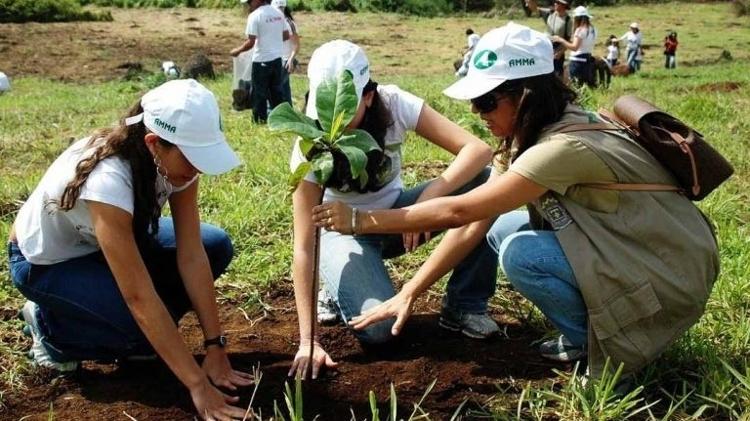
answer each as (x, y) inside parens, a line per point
(620, 273)
(106, 277)
(352, 267)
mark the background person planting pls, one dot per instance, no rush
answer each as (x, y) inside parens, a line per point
(106, 277)
(352, 266)
(621, 274)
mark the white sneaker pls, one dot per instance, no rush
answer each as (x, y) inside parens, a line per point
(327, 309)
(38, 352)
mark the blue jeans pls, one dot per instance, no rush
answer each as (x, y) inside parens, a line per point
(354, 273)
(582, 72)
(632, 63)
(82, 315)
(535, 264)
(266, 88)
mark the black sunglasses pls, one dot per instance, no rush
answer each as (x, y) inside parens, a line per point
(486, 103)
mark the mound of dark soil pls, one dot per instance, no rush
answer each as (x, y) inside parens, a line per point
(464, 370)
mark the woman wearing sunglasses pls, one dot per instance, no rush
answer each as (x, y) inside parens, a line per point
(620, 273)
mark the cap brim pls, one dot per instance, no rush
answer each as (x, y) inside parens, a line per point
(472, 87)
(213, 159)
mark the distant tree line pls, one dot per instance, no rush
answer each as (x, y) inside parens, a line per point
(71, 10)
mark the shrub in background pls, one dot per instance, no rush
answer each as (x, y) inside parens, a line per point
(412, 7)
(19, 11)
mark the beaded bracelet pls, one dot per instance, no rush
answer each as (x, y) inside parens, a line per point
(354, 221)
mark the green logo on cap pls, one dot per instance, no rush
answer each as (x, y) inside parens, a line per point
(485, 59)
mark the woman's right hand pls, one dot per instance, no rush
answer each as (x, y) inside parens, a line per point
(399, 306)
(333, 216)
(302, 360)
(213, 405)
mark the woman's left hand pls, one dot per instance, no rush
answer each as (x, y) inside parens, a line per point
(218, 369)
(334, 216)
(555, 38)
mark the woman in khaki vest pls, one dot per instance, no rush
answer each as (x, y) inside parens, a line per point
(621, 274)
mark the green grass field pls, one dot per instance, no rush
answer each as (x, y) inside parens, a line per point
(704, 375)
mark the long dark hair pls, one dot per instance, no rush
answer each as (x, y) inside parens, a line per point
(541, 101)
(127, 143)
(584, 20)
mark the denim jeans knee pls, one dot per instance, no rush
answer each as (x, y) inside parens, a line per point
(536, 265)
(376, 334)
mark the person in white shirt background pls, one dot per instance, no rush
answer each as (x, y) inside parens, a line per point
(634, 39)
(266, 32)
(352, 267)
(291, 48)
(584, 38)
(613, 50)
(471, 40)
(106, 277)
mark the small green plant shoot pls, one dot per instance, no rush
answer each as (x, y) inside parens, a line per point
(327, 140)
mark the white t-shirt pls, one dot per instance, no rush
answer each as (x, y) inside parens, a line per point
(405, 109)
(47, 235)
(291, 26)
(613, 53)
(587, 36)
(634, 40)
(472, 40)
(267, 25)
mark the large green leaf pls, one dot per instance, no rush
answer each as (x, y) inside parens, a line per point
(285, 118)
(359, 139)
(298, 174)
(356, 157)
(322, 166)
(336, 98)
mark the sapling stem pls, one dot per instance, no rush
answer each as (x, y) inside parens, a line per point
(314, 292)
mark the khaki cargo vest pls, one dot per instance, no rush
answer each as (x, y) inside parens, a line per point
(645, 270)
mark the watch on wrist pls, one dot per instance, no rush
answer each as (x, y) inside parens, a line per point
(220, 341)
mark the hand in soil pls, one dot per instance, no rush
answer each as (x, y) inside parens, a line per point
(213, 405)
(320, 359)
(399, 306)
(217, 367)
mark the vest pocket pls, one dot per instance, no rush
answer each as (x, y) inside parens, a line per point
(617, 328)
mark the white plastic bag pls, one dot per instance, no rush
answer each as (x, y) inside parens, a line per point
(4, 83)
(243, 67)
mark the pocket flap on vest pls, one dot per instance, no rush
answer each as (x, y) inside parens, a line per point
(624, 310)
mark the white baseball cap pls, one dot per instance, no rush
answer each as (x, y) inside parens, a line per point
(509, 52)
(186, 114)
(634, 25)
(328, 61)
(582, 11)
(4, 83)
(279, 4)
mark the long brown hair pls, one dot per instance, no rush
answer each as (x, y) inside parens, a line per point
(127, 143)
(541, 101)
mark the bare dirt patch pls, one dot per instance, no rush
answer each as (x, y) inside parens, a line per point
(464, 369)
(720, 87)
(96, 51)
